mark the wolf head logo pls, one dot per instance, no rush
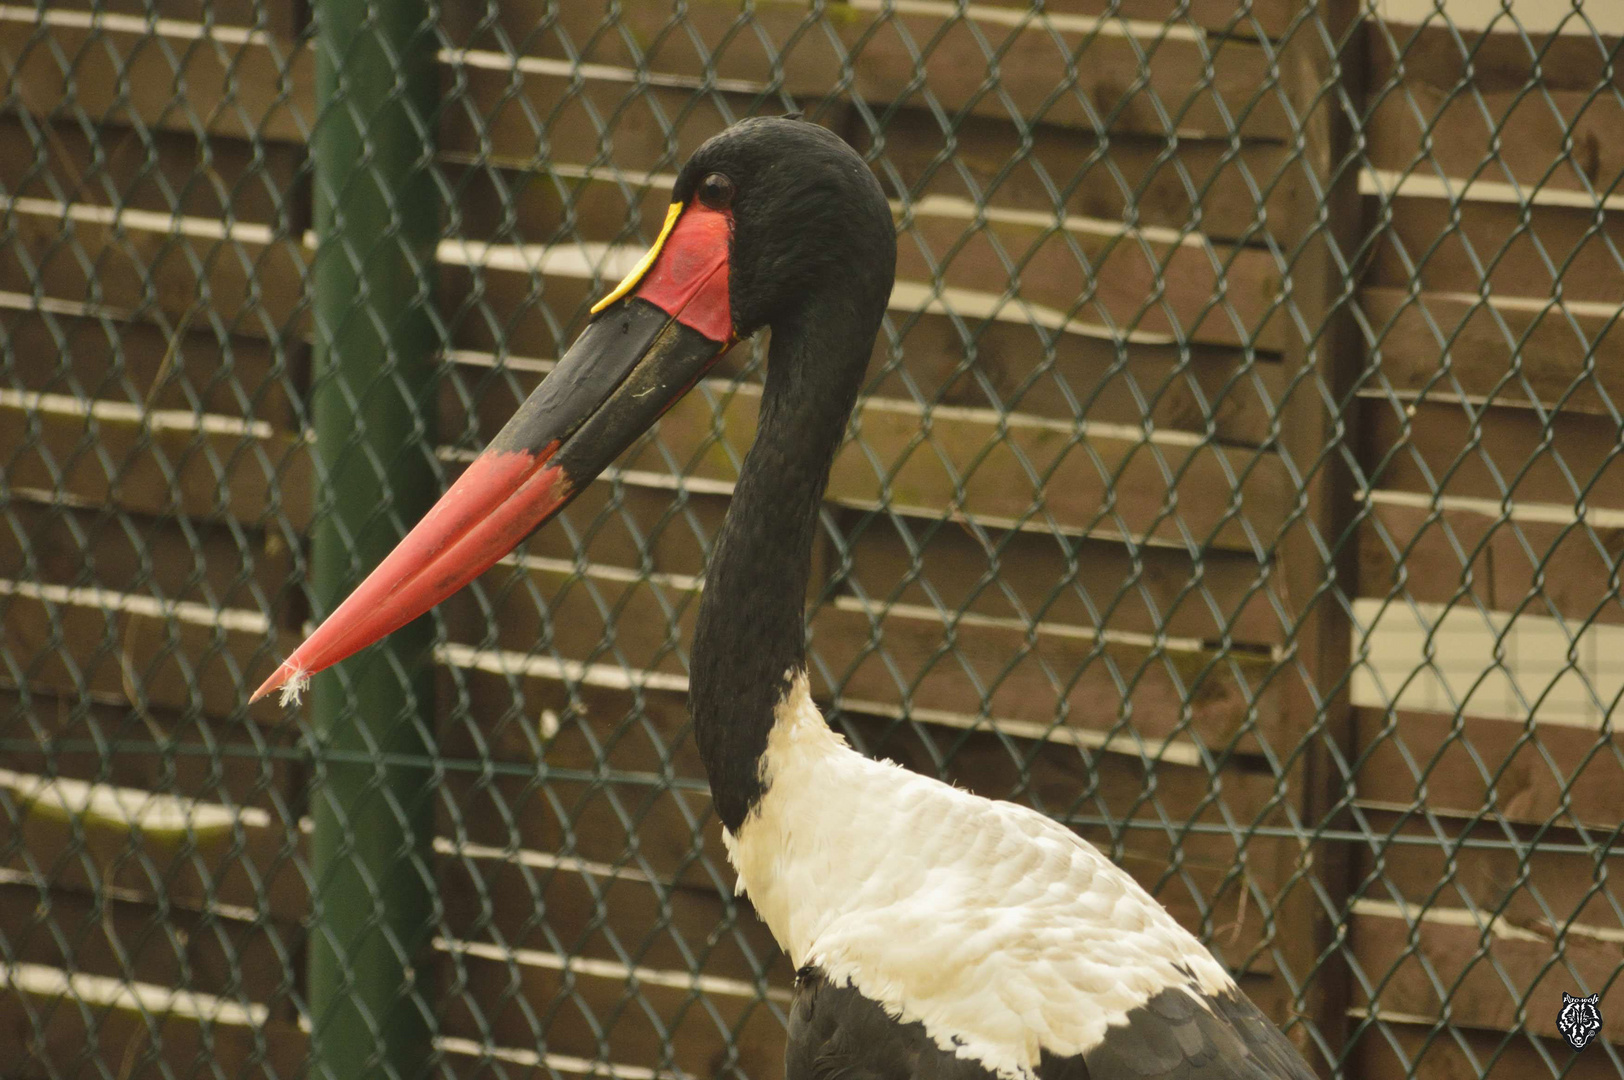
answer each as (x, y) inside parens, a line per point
(1579, 1020)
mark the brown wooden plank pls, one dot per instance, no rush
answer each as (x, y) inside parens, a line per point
(115, 938)
(51, 1036)
(1445, 245)
(1101, 274)
(247, 279)
(283, 18)
(1043, 679)
(169, 557)
(238, 84)
(887, 50)
(151, 749)
(1540, 774)
(1266, 18)
(197, 856)
(1511, 453)
(1501, 112)
(107, 452)
(1023, 171)
(1484, 1056)
(1531, 876)
(589, 1010)
(1479, 967)
(138, 360)
(1090, 582)
(1518, 565)
(605, 913)
(1510, 352)
(75, 641)
(163, 171)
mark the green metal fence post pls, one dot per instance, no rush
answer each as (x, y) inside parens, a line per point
(377, 220)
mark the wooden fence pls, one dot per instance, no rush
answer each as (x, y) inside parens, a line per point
(1125, 491)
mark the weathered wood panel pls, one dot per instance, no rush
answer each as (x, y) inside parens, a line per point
(1554, 346)
(193, 368)
(1454, 245)
(1081, 583)
(117, 647)
(885, 53)
(52, 1037)
(170, 557)
(158, 171)
(1510, 453)
(1539, 773)
(151, 750)
(238, 960)
(1477, 968)
(588, 1010)
(1520, 565)
(1485, 1055)
(156, 463)
(1539, 880)
(1474, 104)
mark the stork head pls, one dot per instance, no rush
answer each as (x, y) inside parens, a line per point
(765, 214)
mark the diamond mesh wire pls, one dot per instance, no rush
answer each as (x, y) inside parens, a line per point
(1236, 480)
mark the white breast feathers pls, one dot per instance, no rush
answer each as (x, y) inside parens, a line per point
(999, 929)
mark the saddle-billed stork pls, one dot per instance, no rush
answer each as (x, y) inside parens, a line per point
(936, 933)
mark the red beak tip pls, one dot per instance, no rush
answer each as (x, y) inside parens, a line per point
(290, 679)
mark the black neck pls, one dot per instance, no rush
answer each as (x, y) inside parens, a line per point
(751, 629)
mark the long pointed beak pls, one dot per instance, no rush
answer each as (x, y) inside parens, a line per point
(649, 342)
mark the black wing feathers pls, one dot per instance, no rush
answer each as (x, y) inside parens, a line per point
(837, 1034)
(1175, 1037)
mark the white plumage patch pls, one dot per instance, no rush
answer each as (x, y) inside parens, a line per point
(1000, 930)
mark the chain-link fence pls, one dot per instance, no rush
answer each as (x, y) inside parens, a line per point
(1237, 479)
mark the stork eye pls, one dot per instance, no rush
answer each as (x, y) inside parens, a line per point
(716, 191)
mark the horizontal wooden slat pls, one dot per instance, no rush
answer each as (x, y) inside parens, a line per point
(238, 83)
(199, 856)
(1455, 245)
(1268, 17)
(523, 999)
(1540, 774)
(1089, 583)
(72, 349)
(112, 937)
(1501, 113)
(150, 749)
(1493, 1055)
(1522, 565)
(171, 557)
(282, 18)
(154, 462)
(161, 171)
(73, 641)
(537, 900)
(1484, 340)
(1501, 981)
(1530, 875)
(882, 53)
(54, 1022)
(1510, 453)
